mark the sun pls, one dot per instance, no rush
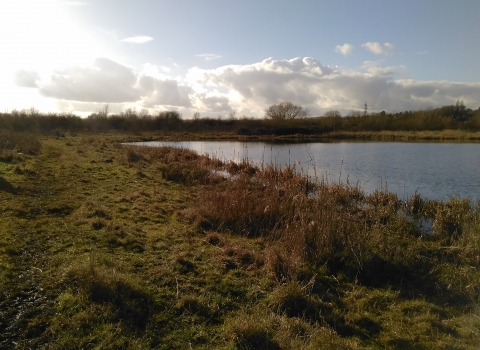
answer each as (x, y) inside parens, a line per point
(43, 33)
(42, 36)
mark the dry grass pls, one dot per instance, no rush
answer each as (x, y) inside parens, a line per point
(377, 239)
(13, 145)
(458, 135)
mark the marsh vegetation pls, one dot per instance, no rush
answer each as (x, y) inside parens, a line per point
(114, 247)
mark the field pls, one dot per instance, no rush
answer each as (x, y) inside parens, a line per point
(104, 246)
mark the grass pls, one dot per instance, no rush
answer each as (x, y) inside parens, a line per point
(425, 135)
(385, 135)
(112, 247)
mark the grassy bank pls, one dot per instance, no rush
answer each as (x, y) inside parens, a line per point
(444, 135)
(112, 247)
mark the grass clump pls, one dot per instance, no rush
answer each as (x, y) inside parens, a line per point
(126, 301)
(293, 299)
(249, 334)
(12, 143)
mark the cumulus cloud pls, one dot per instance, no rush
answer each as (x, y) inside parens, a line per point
(105, 81)
(378, 49)
(320, 88)
(215, 103)
(164, 92)
(388, 48)
(375, 68)
(141, 39)
(373, 47)
(345, 49)
(250, 89)
(109, 82)
(208, 56)
(155, 71)
(25, 78)
(269, 81)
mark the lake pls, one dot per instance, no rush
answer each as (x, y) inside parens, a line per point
(432, 169)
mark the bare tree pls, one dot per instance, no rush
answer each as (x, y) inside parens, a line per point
(285, 111)
(354, 114)
(332, 114)
(144, 113)
(232, 115)
(104, 111)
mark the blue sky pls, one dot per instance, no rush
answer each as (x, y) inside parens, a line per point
(220, 57)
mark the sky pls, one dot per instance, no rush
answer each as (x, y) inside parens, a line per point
(226, 58)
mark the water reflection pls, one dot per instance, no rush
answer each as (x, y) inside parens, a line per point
(435, 170)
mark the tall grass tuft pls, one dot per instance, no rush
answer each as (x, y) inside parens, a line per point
(14, 143)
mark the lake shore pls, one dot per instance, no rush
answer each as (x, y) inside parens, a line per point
(408, 136)
(130, 247)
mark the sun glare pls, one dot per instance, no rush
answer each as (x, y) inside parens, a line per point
(41, 36)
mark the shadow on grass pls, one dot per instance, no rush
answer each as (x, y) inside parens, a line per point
(6, 186)
(128, 302)
(132, 307)
(417, 279)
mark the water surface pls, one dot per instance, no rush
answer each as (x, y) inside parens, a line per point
(434, 170)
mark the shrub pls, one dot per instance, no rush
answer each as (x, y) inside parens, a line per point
(185, 173)
(13, 143)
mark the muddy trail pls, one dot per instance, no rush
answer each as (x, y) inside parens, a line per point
(21, 300)
(25, 307)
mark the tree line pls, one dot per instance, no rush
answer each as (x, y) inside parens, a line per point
(284, 118)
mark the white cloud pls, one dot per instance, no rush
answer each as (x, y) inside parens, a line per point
(105, 81)
(155, 71)
(388, 48)
(345, 49)
(156, 92)
(208, 56)
(268, 81)
(378, 49)
(320, 88)
(247, 89)
(141, 39)
(374, 47)
(110, 82)
(375, 68)
(421, 52)
(25, 78)
(215, 103)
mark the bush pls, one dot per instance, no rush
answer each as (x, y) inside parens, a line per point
(19, 142)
